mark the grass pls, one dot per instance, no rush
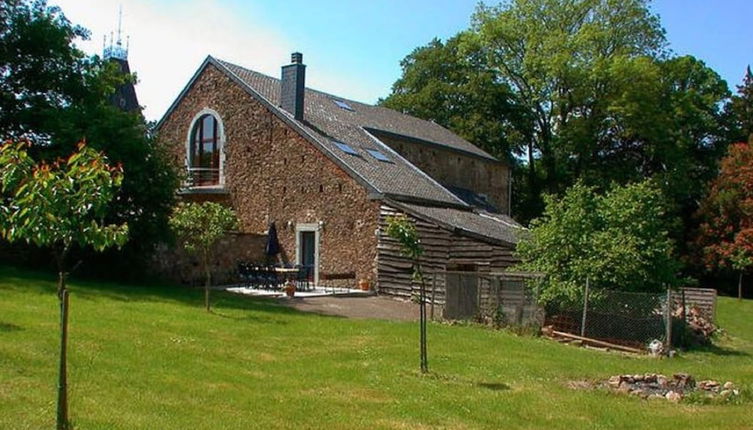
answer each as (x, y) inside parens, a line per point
(149, 357)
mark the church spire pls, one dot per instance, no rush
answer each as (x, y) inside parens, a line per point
(125, 94)
(115, 49)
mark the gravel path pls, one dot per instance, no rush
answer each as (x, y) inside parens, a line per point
(376, 307)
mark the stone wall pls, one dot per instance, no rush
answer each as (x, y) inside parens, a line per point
(178, 266)
(447, 166)
(274, 174)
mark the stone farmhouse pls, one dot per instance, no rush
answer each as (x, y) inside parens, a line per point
(328, 171)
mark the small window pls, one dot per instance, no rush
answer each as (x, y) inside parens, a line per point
(344, 147)
(378, 155)
(343, 105)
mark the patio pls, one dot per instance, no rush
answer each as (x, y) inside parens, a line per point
(319, 291)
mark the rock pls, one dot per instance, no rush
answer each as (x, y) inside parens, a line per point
(637, 392)
(655, 397)
(614, 381)
(638, 378)
(649, 377)
(673, 397)
(725, 394)
(728, 385)
(624, 387)
(661, 380)
(683, 380)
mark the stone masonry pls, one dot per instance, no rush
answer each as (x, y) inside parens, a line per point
(273, 174)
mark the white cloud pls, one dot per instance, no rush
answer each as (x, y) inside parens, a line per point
(169, 40)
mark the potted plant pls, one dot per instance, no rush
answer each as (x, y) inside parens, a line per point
(289, 289)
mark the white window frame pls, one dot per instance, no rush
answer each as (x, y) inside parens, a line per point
(220, 144)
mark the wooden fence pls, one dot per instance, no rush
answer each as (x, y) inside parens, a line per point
(703, 298)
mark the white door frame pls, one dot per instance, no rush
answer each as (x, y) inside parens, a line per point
(307, 227)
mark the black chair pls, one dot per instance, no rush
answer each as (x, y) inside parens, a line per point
(244, 274)
(302, 278)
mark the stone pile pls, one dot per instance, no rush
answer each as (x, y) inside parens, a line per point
(657, 386)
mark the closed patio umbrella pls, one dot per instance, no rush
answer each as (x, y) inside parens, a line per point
(273, 244)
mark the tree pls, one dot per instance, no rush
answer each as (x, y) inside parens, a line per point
(401, 229)
(52, 94)
(198, 228)
(618, 240)
(583, 90)
(59, 205)
(740, 109)
(724, 240)
(452, 86)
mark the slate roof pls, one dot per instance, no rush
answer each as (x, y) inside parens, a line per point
(326, 123)
(499, 227)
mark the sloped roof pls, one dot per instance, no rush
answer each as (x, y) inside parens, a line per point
(499, 227)
(329, 123)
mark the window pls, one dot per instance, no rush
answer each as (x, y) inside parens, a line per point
(344, 147)
(343, 105)
(378, 155)
(204, 152)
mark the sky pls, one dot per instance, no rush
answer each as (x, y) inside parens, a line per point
(352, 48)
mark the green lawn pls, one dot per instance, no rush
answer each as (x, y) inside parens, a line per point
(152, 358)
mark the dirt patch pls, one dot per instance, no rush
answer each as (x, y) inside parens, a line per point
(370, 307)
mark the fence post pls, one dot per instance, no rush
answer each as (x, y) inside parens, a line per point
(585, 311)
(669, 320)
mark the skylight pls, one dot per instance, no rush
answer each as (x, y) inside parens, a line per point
(344, 147)
(343, 105)
(378, 155)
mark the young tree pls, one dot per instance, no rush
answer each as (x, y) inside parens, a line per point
(404, 232)
(59, 205)
(198, 227)
(618, 241)
(725, 235)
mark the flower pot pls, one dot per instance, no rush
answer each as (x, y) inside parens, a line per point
(290, 290)
(364, 285)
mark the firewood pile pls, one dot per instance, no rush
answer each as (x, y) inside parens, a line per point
(698, 324)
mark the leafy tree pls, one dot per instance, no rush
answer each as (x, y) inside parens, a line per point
(584, 90)
(403, 230)
(725, 236)
(199, 227)
(619, 240)
(740, 109)
(59, 205)
(52, 94)
(454, 87)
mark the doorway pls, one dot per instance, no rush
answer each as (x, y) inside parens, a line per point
(307, 250)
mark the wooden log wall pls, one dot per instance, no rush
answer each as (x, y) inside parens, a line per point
(703, 298)
(443, 249)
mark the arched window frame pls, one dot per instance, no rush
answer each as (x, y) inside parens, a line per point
(220, 146)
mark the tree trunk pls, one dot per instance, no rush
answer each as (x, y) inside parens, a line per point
(62, 406)
(740, 286)
(422, 321)
(207, 283)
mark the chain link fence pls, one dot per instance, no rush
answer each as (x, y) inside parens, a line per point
(622, 318)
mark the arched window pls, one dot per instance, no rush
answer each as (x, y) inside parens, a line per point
(204, 151)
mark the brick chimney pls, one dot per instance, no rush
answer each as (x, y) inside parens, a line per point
(293, 84)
